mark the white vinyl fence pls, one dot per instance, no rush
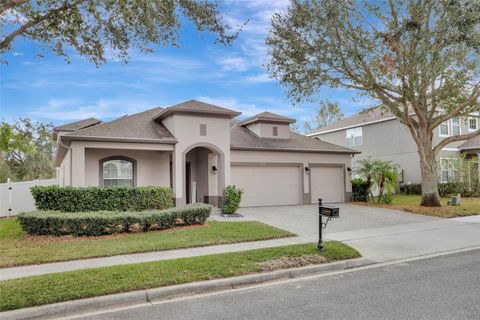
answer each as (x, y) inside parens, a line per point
(15, 197)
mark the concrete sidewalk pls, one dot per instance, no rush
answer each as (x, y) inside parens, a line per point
(32, 270)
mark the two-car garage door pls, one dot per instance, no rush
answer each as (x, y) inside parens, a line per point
(269, 184)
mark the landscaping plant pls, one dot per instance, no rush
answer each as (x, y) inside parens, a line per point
(233, 197)
(379, 175)
(110, 222)
(74, 199)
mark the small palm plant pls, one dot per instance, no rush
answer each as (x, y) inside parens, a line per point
(381, 175)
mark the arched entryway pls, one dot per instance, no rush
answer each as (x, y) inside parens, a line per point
(204, 175)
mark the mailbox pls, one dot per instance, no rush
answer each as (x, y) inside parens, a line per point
(329, 211)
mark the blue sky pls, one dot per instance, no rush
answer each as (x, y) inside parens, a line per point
(50, 90)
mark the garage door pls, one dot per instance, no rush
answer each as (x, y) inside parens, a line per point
(327, 183)
(268, 185)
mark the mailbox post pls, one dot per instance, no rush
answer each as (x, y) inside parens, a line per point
(329, 212)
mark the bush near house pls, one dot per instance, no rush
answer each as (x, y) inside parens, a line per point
(233, 197)
(107, 222)
(72, 199)
(360, 190)
(444, 189)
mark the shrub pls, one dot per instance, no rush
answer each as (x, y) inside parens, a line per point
(77, 199)
(386, 198)
(194, 213)
(233, 197)
(411, 189)
(360, 191)
(107, 222)
(449, 188)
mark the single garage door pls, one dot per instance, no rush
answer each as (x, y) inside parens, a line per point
(267, 185)
(327, 183)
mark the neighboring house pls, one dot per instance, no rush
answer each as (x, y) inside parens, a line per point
(197, 149)
(379, 135)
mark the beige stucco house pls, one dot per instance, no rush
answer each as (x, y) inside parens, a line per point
(198, 149)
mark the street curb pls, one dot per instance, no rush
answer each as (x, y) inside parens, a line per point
(68, 308)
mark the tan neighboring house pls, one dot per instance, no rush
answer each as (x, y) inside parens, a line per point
(379, 135)
(198, 149)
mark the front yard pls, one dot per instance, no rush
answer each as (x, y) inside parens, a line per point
(58, 287)
(17, 248)
(410, 203)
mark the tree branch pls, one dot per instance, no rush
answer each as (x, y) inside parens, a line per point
(449, 140)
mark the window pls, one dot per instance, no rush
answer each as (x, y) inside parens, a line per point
(456, 131)
(448, 169)
(451, 127)
(355, 137)
(117, 172)
(203, 130)
(444, 129)
(472, 124)
(275, 131)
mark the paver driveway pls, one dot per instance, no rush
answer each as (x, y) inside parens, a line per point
(303, 219)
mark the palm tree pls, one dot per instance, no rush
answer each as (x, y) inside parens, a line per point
(387, 178)
(366, 170)
(380, 174)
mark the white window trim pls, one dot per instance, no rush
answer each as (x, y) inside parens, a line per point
(451, 170)
(354, 136)
(449, 123)
(468, 124)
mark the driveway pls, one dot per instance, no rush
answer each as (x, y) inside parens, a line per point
(303, 220)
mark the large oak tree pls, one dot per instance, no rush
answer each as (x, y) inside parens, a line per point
(101, 29)
(420, 58)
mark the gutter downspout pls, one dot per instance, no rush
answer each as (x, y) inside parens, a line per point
(69, 149)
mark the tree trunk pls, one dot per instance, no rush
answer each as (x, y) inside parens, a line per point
(430, 195)
(428, 167)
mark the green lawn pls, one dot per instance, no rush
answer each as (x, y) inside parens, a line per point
(16, 248)
(411, 203)
(51, 288)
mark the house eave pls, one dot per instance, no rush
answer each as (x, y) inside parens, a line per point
(293, 150)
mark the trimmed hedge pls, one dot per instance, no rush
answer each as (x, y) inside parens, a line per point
(411, 189)
(77, 199)
(107, 222)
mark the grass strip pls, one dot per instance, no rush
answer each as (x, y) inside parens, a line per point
(17, 249)
(58, 287)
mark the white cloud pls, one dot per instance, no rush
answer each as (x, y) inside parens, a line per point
(249, 109)
(233, 64)
(259, 78)
(65, 110)
(12, 16)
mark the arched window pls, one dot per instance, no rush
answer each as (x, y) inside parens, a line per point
(117, 171)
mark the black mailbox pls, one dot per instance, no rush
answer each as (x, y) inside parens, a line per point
(329, 211)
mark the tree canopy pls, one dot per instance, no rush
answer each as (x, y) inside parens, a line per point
(26, 150)
(327, 113)
(101, 29)
(420, 58)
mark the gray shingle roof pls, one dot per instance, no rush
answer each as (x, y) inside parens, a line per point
(370, 115)
(267, 116)
(77, 125)
(139, 126)
(473, 143)
(197, 107)
(242, 138)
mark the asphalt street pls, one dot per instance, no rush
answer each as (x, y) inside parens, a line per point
(445, 287)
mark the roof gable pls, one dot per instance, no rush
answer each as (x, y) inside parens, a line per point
(267, 117)
(197, 107)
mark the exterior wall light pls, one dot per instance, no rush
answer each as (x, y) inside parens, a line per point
(307, 170)
(214, 169)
